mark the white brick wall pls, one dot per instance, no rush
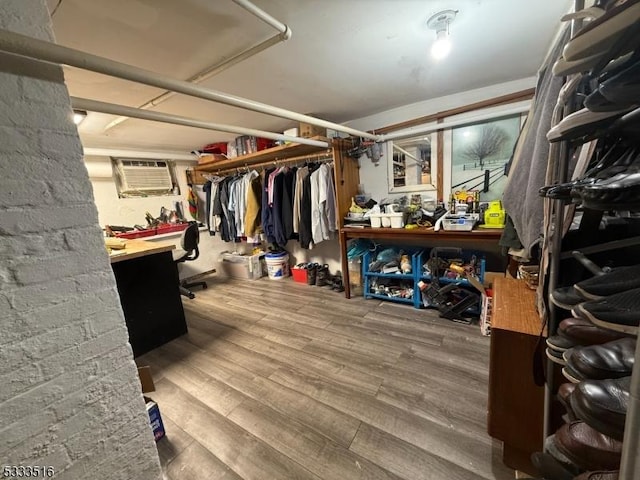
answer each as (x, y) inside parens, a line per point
(69, 392)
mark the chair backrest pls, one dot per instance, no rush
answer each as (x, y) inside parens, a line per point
(189, 240)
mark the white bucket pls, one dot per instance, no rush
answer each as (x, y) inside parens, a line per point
(277, 265)
(375, 220)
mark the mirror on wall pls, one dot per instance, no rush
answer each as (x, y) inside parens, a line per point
(412, 164)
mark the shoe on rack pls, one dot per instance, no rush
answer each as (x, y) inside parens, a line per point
(597, 102)
(623, 86)
(599, 362)
(560, 343)
(555, 356)
(549, 467)
(600, 35)
(583, 332)
(602, 404)
(601, 475)
(566, 297)
(620, 192)
(619, 312)
(565, 391)
(582, 123)
(587, 448)
(618, 280)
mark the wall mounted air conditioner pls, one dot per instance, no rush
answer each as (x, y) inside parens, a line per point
(139, 176)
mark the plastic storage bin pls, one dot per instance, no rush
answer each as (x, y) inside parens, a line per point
(235, 265)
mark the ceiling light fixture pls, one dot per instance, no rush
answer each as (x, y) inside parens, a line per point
(440, 23)
(79, 116)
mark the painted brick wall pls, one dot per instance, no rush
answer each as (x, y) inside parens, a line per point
(69, 392)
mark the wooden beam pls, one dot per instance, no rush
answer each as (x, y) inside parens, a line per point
(492, 102)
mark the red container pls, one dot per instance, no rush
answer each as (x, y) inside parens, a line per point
(153, 231)
(219, 148)
(299, 275)
(264, 143)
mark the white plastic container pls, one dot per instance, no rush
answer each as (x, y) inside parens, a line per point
(277, 265)
(385, 220)
(396, 220)
(376, 220)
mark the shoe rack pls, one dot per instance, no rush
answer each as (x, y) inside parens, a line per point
(590, 225)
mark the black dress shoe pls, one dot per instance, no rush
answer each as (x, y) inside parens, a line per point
(599, 362)
(566, 297)
(560, 344)
(555, 356)
(619, 312)
(618, 280)
(620, 192)
(602, 404)
(596, 102)
(623, 87)
(582, 332)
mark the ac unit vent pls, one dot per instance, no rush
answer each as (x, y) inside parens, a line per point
(144, 176)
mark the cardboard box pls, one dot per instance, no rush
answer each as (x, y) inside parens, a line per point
(307, 131)
(247, 267)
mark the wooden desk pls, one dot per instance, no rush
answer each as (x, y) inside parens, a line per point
(403, 234)
(516, 403)
(139, 248)
(147, 280)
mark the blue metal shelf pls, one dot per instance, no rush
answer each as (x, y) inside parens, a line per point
(460, 281)
(408, 301)
(399, 276)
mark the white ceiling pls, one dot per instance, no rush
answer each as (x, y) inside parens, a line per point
(346, 58)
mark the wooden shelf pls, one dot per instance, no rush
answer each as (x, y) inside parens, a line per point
(400, 233)
(281, 152)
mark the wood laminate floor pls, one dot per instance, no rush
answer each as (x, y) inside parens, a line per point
(278, 380)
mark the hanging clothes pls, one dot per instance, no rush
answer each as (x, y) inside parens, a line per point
(252, 225)
(301, 174)
(323, 217)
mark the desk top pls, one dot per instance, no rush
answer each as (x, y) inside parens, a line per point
(368, 232)
(514, 307)
(139, 248)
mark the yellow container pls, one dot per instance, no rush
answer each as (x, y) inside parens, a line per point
(494, 216)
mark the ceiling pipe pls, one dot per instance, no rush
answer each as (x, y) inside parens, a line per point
(23, 45)
(262, 15)
(283, 36)
(412, 132)
(114, 109)
(148, 154)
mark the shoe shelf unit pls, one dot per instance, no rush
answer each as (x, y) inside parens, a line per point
(346, 170)
(412, 280)
(404, 281)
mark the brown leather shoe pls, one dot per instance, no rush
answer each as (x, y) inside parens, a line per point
(599, 362)
(587, 448)
(610, 475)
(583, 332)
(602, 404)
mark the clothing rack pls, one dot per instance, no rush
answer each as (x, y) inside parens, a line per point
(319, 157)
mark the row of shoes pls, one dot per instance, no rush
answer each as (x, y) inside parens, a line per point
(320, 276)
(606, 54)
(596, 348)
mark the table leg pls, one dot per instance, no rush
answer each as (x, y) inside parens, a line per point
(345, 265)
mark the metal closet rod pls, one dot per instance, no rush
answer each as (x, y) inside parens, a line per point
(114, 109)
(25, 46)
(320, 157)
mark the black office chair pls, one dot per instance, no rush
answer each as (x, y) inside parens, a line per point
(189, 251)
